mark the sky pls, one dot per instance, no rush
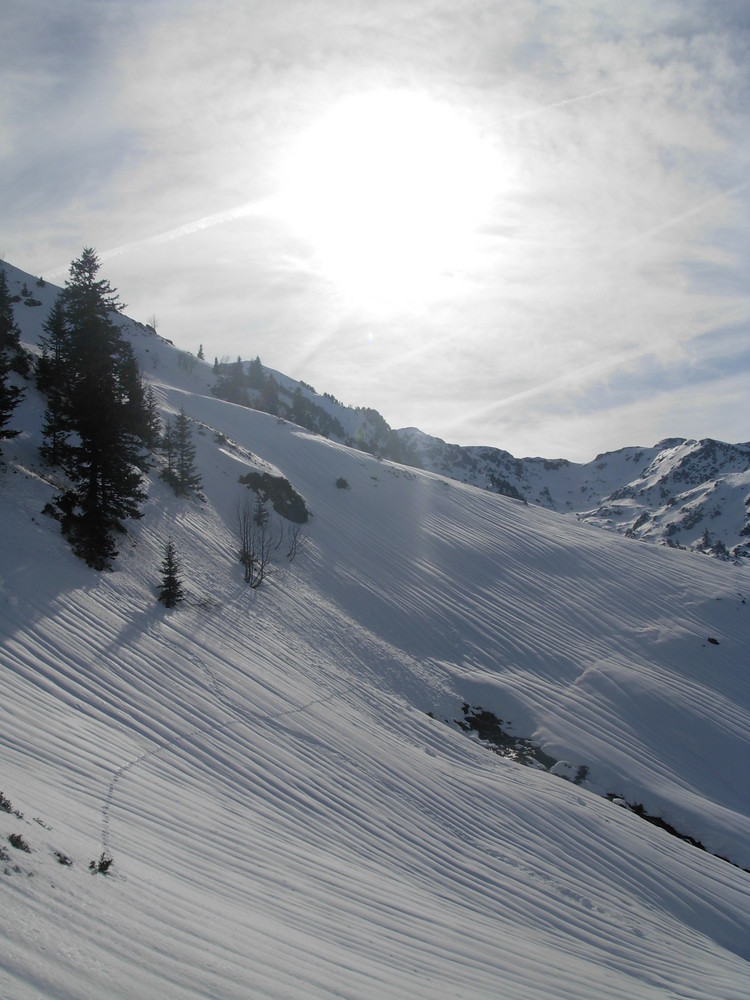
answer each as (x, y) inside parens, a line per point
(521, 223)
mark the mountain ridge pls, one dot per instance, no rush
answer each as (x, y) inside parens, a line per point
(680, 492)
(281, 777)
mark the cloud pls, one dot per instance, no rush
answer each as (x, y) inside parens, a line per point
(604, 272)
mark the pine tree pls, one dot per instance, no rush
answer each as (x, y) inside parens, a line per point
(51, 379)
(152, 420)
(255, 377)
(187, 476)
(102, 416)
(181, 472)
(236, 382)
(168, 447)
(11, 354)
(269, 397)
(201, 356)
(10, 333)
(171, 591)
(10, 396)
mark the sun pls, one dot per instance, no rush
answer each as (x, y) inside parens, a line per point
(389, 188)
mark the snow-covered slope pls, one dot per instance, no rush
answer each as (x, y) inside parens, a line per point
(279, 776)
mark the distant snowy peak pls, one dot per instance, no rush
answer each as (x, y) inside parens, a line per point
(692, 494)
(695, 494)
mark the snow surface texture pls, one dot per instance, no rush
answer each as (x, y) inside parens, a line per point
(285, 817)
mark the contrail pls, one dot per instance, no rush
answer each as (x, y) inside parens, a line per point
(682, 216)
(207, 222)
(569, 100)
(605, 364)
(596, 367)
(263, 207)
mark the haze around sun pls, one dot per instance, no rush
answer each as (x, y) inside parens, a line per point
(390, 188)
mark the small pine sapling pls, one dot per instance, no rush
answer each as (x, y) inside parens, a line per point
(171, 591)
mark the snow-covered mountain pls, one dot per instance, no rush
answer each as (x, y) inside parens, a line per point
(691, 494)
(297, 784)
(685, 494)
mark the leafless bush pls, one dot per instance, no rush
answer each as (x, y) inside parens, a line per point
(259, 538)
(256, 539)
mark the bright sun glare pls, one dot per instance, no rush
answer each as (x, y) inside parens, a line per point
(389, 187)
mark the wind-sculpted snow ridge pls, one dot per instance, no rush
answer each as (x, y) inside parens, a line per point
(285, 817)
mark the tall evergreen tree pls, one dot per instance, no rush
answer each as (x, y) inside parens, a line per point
(10, 396)
(168, 446)
(51, 379)
(255, 377)
(187, 476)
(10, 333)
(153, 420)
(11, 359)
(181, 472)
(235, 384)
(102, 416)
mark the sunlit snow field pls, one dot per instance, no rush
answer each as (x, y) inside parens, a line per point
(279, 775)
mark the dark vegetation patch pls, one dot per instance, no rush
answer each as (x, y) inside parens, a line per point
(639, 809)
(7, 806)
(500, 485)
(489, 729)
(17, 841)
(103, 865)
(248, 384)
(285, 500)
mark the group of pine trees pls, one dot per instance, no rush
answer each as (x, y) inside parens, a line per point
(101, 425)
(234, 380)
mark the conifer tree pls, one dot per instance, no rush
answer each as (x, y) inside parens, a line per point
(168, 447)
(181, 472)
(51, 379)
(10, 333)
(255, 377)
(11, 359)
(171, 591)
(10, 396)
(236, 382)
(152, 420)
(101, 409)
(187, 476)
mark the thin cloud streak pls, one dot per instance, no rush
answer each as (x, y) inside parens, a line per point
(531, 112)
(722, 196)
(263, 207)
